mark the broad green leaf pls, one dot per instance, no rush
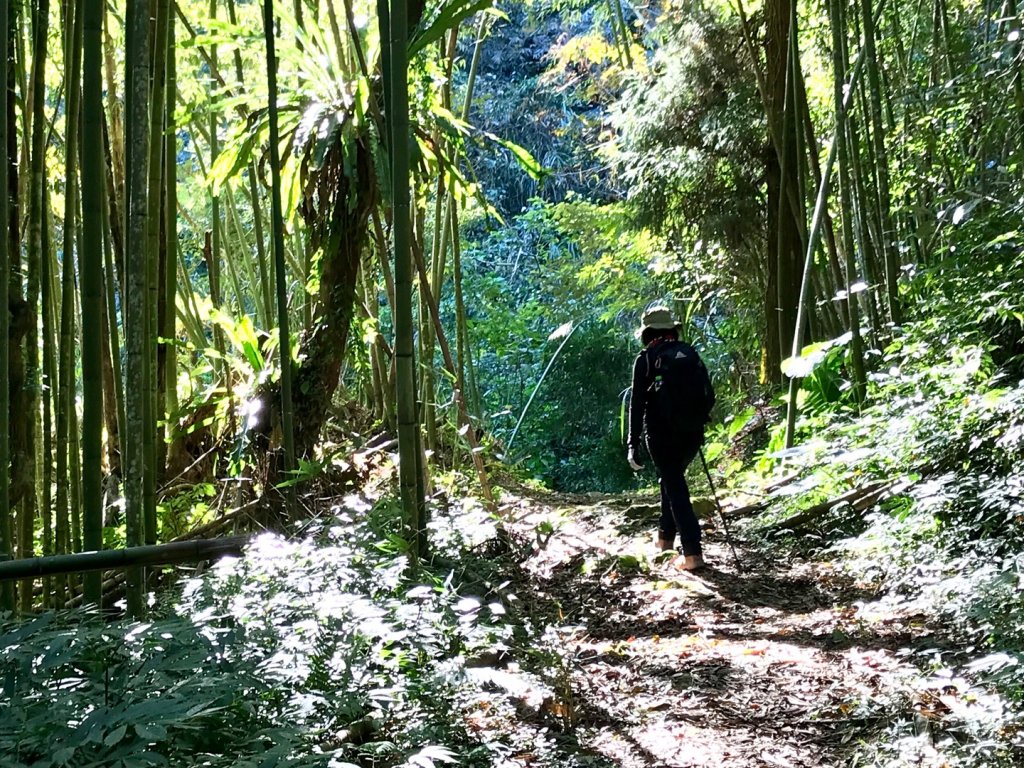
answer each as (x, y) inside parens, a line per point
(115, 736)
(803, 365)
(151, 732)
(740, 421)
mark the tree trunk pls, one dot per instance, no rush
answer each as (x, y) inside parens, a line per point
(324, 344)
(783, 236)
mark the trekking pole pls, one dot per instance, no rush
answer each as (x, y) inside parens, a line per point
(721, 513)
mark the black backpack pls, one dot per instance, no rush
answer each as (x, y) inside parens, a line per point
(680, 396)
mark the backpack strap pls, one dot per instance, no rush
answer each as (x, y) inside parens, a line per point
(654, 344)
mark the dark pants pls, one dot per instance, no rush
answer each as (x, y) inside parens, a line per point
(672, 457)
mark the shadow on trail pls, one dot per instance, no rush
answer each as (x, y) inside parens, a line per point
(763, 588)
(752, 667)
(796, 598)
(619, 608)
(772, 664)
(612, 612)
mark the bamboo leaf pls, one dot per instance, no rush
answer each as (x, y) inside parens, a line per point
(230, 162)
(151, 732)
(452, 15)
(802, 365)
(526, 161)
(561, 331)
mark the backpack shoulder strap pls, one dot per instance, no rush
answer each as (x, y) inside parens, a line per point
(657, 349)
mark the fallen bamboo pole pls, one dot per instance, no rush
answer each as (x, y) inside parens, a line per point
(156, 554)
(858, 498)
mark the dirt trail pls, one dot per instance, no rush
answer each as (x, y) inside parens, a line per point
(769, 665)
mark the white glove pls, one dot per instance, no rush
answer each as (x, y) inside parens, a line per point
(631, 458)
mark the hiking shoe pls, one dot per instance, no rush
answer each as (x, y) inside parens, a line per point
(691, 563)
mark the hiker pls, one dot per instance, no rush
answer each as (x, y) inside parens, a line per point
(671, 402)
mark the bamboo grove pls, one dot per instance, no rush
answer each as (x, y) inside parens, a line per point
(223, 214)
(146, 331)
(817, 158)
(900, 76)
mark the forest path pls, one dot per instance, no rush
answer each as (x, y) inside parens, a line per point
(771, 664)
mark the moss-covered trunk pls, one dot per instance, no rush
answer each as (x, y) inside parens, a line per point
(337, 209)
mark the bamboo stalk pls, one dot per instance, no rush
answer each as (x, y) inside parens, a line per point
(170, 275)
(394, 28)
(881, 163)
(23, 458)
(6, 517)
(242, 253)
(155, 448)
(466, 423)
(113, 389)
(128, 558)
(266, 295)
(49, 323)
(377, 381)
(75, 472)
(277, 231)
(246, 257)
(619, 19)
(812, 244)
(115, 153)
(840, 65)
(91, 271)
(66, 361)
(188, 308)
(137, 151)
(382, 254)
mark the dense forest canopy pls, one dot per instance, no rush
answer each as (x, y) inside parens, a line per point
(256, 255)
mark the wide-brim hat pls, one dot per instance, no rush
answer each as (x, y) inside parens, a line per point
(658, 318)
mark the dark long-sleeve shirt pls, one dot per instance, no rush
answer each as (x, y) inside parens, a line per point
(643, 377)
(638, 399)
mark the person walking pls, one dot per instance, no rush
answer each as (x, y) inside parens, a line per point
(671, 404)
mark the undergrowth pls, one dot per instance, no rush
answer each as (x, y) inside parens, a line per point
(323, 648)
(944, 424)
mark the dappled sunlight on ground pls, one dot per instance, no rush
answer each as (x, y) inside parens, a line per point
(756, 663)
